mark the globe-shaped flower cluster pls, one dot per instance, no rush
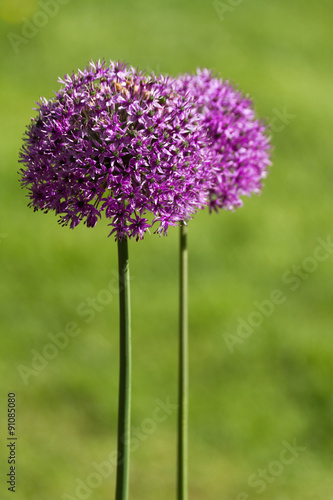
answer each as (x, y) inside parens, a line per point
(117, 142)
(237, 140)
(142, 149)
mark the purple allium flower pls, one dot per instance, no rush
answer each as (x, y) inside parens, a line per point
(237, 140)
(115, 141)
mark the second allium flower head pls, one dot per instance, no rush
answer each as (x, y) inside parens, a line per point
(117, 142)
(237, 140)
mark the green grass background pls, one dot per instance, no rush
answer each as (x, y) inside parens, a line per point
(277, 385)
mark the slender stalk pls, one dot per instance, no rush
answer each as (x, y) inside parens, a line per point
(124, 407)
(183, 370)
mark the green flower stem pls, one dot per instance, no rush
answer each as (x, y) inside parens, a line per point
(124, 408)
(183, 370)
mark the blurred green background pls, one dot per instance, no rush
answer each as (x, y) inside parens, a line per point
(250, 398)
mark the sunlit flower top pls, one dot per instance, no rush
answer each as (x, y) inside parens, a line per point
(237, 140)
(115, 141)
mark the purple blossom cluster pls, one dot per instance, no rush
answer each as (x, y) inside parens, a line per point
(238, 142)
(117, 142)
(142, 149)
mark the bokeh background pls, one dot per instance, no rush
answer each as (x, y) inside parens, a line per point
(254, 391)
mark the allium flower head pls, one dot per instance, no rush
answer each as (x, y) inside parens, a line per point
(117, 142)
(237, 141)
